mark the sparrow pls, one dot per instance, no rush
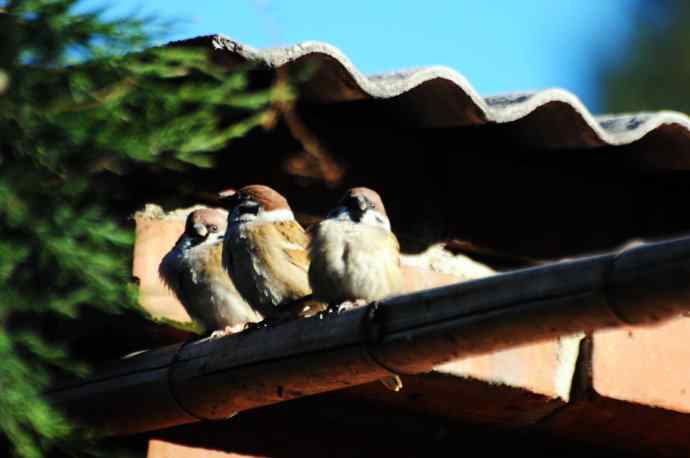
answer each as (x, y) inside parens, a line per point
(265, 252)
(354, 254)
(192, 270)
(355, 257)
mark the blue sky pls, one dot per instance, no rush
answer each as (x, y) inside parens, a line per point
(499, 45)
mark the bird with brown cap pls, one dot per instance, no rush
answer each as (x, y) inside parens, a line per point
(192, 270)
(265, 252)
(355, 257)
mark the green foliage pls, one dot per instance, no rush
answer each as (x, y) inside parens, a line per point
(653, 72)
(74, 108)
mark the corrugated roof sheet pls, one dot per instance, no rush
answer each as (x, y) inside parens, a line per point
(455, 101)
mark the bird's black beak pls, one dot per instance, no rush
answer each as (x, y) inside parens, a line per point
(248, 207)
(357, 205)
(229, 201)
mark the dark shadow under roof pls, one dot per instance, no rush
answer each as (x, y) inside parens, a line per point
(529, 176)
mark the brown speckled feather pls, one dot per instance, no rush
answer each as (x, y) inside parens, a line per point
(297, 243)
(270, 262)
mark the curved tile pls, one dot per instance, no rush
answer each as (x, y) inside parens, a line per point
(339, 81)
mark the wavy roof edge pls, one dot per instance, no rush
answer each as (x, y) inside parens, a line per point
(616, 129)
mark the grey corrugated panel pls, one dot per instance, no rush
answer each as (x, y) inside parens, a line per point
(340, 81)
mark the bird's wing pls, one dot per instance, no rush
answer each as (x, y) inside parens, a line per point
(295, 243)
(170, 273)
(226, 255)
(381, 242)
(392, 245)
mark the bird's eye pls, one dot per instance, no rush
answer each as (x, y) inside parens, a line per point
(213, 228)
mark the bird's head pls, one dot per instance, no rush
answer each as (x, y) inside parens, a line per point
(257, 203)
(206, 225)
(362, 205)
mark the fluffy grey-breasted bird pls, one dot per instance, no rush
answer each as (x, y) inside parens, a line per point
(193, 271)
(355, 257)
(353, 252)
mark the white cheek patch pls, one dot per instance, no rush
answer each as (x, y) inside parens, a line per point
(374, 218)
(370, 217)
(273, 216)
(282, 214)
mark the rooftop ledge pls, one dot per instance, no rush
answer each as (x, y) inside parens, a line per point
(600, 336)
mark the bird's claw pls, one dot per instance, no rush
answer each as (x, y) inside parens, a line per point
(349, 305)
(228, 330)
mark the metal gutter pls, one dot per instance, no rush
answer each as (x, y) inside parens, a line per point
(409, 334)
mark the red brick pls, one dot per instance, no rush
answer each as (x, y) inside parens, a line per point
(545, 368)
(155, 235)
(163, 449)
(646, 365)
